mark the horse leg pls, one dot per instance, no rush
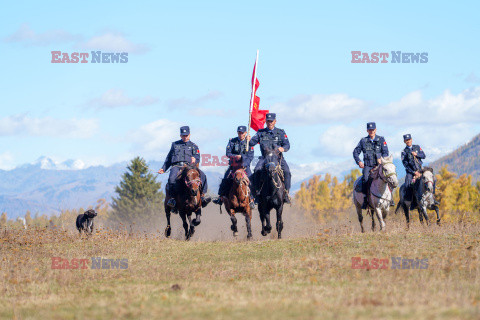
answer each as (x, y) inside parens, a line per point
(248, 220)
(420, 215)
(196, 221)
(279, 222)
(360, 216)
(424, 212)
(438, 214)
(406, 210)
(233, 227)
(185, 225)
(373, 219)
(192, 226)
(168, 229)
(262, 218)
(379, 213)
(268, 226)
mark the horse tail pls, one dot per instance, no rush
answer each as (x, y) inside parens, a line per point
(398, 206)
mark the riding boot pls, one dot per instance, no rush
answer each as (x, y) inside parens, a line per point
(365, 198)
(218, 200)
(205, 200)
(171, 191)
(286, 197)
(221, 192)
(365, 203)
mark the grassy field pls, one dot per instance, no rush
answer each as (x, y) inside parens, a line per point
(301, 277)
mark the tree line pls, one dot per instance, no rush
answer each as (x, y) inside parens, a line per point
(327, 199)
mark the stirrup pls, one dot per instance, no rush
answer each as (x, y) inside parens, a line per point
(218, 201)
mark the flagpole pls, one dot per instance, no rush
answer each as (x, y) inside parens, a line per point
(254, 80)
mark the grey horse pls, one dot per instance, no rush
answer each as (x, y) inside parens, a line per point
(422, 197)
(384, 181)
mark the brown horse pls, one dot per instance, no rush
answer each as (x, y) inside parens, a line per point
(239, 201)
(188, 200)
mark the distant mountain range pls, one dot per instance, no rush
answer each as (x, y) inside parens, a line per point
(465, 159)
(47, 187)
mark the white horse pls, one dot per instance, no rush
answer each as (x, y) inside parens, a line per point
(384, 181)
(422, 196)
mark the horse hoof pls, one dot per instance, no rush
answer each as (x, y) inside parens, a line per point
(279, 236)
(249, 237)
(264, 233)
(195, 222)
(168, 231)
(235, 234)
(268, 228)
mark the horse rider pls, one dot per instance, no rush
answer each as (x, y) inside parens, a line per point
(238, 156)
(271, 138)
(374, 147)
(183, 152)
(412, 157)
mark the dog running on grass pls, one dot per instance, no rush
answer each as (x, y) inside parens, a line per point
(85, 221)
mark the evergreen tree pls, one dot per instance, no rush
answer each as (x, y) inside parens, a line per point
(139, 198)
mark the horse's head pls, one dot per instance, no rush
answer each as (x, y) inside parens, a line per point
(191, 176)
(271, 161)
(388, 173)
(428, 178)
(240, 176)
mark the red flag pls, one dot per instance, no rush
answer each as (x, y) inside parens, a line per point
(257, 117)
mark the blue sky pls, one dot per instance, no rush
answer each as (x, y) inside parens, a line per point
(191, 64)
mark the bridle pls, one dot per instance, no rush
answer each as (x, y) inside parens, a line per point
(245, 181)
(193, 184)
(384, 175)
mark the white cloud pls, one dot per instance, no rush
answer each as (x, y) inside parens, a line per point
(114, 98)
(312, 109)
(64, 128)
(155, 138)
(338, 141)
(27, 36)
(114, 42)
(445, 109)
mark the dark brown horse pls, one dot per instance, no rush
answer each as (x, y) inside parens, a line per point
(239, 201)
(188, 200)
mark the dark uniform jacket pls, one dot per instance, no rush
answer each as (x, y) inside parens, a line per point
(238, 147)
(372, 151)
(270, 140)
(408, 159)
(181, 152)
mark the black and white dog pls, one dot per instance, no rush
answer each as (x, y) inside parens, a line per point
(85, 221)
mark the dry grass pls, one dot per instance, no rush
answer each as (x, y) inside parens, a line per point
(306, 276)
